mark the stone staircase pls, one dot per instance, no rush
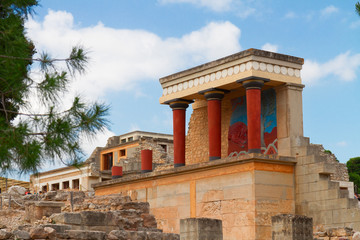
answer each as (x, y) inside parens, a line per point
(320, 191)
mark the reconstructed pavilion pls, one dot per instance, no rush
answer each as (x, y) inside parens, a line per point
(244, 158)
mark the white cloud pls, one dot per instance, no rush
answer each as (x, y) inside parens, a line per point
(290, 15)
(214, 5)
(134, 127)
(355, 24)
(329, 10)
(122, 58)
(344, 67)
(270, 47)
(89, 145)
(342, 144)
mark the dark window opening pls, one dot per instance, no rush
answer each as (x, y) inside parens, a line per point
(66, 185)
(107, 161)
(164, 147)
(123, 140)
(55, 187)
(130, 139)
(76, 184)
(122, 152)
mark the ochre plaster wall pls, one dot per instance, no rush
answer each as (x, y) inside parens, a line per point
(243, 195)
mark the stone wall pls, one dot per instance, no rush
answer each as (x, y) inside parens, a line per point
(318, 192)
(197, 139)
(161, 159)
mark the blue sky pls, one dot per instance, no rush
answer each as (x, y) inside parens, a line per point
(134, 43)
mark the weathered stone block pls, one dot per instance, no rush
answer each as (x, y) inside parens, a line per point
(5, 235)
(20, 234)
(36, 210)
(86, 235)
(67, 218)
(38, 233)
(201, 229)
(291, 227)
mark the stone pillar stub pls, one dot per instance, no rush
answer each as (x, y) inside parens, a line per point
(200, 229)
(291, 227)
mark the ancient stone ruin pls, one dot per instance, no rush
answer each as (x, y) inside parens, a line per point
(56, 216)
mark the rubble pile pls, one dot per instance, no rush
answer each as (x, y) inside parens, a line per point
(93, 217)
(335, 234)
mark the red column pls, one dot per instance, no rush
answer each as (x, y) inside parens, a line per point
(253, 87)
(179, 108)
(146, 160)
(116, 172)
(253, 106)
(214, 97)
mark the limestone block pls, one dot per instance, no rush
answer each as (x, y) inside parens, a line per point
(291, 227)
(59, 228)
(356, 236)
(38, 233)
(5, 234)
(20, 234)
(274, 178)
(86, 235)
(36, 210)
(67, 218)
(200, 229)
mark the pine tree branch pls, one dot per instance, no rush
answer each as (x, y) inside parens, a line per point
(35, 59)
(3, 103)
(33, 114)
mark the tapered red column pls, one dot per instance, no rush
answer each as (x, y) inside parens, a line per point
(214, 97)
(253, 109)
(179, 114)
(146, 160)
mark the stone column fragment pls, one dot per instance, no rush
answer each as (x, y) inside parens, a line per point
(200, 229)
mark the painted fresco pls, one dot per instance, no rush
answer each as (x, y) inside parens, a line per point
(237, 136)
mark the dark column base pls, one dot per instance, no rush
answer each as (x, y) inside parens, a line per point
(179, 164)
(214, 158)
(254, 150)
(116, 177)
(146, 171)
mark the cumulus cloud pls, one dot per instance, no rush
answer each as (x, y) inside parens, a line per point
(214, 5)
(290, 15)
(344, 67)
(355, 24)
(329, 10)
(88, 145)
(270, 47)
(342, 144)
(122, 58)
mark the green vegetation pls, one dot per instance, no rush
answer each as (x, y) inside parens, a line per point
(28, 138)
(353, 166)
(357, 8)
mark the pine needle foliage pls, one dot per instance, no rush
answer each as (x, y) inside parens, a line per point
(30, 139)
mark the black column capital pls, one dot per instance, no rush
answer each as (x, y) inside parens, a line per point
(214, 93)
(253, 82)
(179, 103)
